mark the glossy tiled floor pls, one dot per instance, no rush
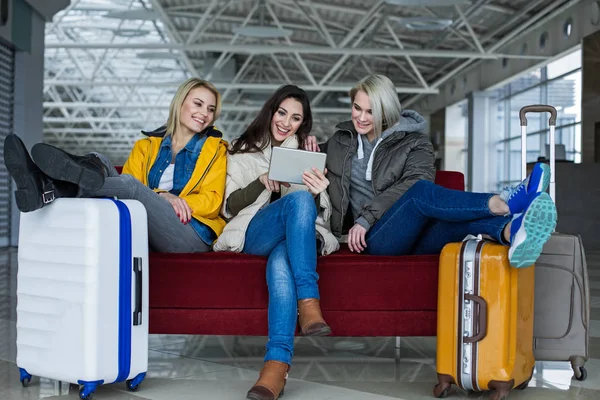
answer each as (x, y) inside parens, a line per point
(213, 367)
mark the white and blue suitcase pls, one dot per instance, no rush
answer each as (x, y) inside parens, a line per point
(82, 293)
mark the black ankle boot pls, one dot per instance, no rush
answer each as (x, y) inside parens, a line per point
(34, 188)
(86, 171)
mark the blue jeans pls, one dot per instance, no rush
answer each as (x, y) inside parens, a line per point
(429, 216)
(285, 232)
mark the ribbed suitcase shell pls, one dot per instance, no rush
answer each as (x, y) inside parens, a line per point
(485, 320)
(68, 291)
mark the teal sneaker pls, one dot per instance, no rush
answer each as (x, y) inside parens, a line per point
(530, 230)
(518, 197)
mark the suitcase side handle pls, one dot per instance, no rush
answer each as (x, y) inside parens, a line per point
(481, 316)
(137, 270)
(538, 108)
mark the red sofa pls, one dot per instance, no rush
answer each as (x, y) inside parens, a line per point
(361, 295)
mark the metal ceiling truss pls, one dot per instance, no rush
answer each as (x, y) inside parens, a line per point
(107, 78)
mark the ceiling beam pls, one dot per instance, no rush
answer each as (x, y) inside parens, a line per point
(231, 86)
(277, 48)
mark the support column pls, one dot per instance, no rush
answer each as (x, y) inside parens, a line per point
(480, 159)
(590, 99)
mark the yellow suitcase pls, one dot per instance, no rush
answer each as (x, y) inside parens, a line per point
(485, 320)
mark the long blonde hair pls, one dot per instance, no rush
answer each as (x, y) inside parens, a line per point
(385, 105)
(182, 92)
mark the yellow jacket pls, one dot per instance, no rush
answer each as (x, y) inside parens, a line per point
(205, 190)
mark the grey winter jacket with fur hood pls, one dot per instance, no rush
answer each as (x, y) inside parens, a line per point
(400, 160)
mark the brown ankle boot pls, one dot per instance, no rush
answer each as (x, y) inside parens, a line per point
(311, 321)
(271, 381)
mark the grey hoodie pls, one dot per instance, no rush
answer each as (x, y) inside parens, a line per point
(361, 190)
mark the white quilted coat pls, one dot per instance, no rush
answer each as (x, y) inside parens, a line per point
(243, 169)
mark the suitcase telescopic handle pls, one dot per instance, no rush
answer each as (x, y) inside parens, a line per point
(137, 312)
(538, 108)
(480, 316)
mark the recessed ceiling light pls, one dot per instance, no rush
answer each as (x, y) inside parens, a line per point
(140, 14)
(427, 3)
(157, 55)
(425, 23)
(344, 100)
(131, 32)
(159, 68)
(262, 31)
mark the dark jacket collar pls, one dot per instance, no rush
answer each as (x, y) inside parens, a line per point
(160, 132)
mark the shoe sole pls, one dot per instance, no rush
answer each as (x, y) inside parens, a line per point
(57, 164)
(255, 396)
(16, 159)
(538, 223)
(325, 331)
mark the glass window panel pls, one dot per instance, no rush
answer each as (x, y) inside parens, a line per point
(531, 78)
(564, 64)
(535, 122)
(565, 95)
(534, 147)
(500, 161)
(499, 129)
(514, 166)
(570, 137)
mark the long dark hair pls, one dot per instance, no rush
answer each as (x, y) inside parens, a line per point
(257, 135)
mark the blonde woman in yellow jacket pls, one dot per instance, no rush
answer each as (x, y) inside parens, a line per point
(178, 172)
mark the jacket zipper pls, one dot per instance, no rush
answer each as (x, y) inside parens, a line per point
(343, 187)
(205, 171)
(147, 172)
(373, 171)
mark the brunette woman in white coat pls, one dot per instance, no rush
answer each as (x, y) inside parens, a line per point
(285, 222)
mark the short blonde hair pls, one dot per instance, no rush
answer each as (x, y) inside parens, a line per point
(184, 89)
(385, 105)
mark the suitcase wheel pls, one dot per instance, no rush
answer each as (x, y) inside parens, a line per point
(442, 390)
(134, 384)
(132, 387)
(582, 375)
(497, 395)
(87, 389)
(85, 394)
(523, 386)
(25, 377)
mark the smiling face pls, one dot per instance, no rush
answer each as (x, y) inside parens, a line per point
(197, 110)
(362, 116)
(286, 120)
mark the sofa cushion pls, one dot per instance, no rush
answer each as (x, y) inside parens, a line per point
(347, 281)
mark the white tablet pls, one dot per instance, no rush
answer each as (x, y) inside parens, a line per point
(287, 165)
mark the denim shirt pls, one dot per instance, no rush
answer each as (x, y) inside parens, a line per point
(185, 162)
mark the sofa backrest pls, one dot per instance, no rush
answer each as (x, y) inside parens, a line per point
(448, 179)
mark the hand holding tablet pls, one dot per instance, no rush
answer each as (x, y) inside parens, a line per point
(288, 165)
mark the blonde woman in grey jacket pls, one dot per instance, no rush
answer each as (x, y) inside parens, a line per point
(381, 168)
(283, 222)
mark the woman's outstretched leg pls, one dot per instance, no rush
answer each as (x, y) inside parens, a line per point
(96, 177)
(525, 233)
(397, 232)
(86, 171)
(34, 188)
